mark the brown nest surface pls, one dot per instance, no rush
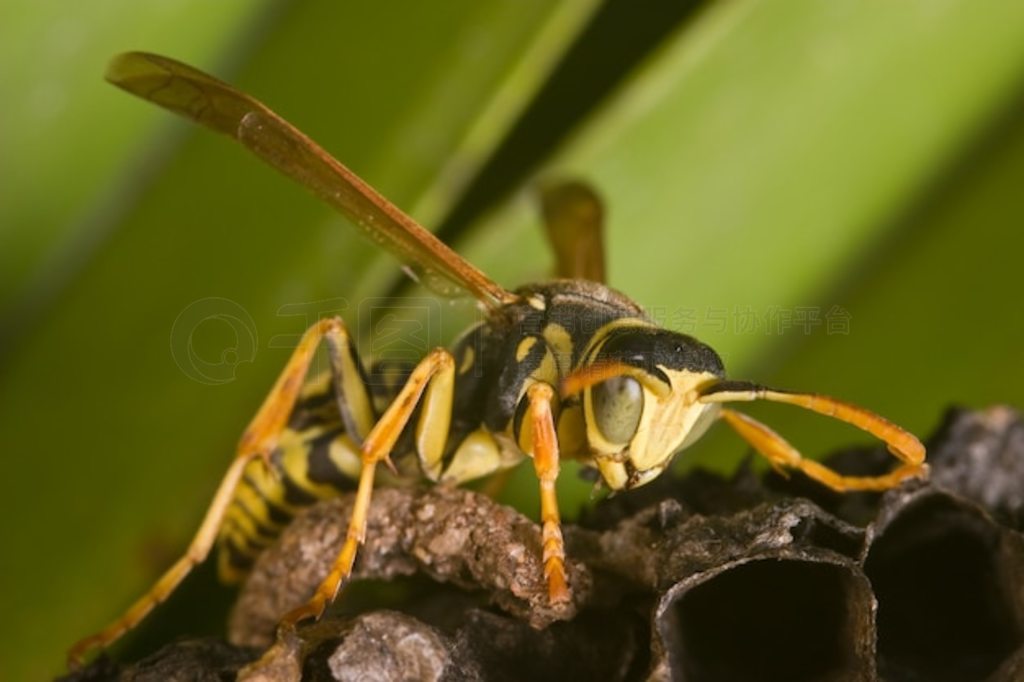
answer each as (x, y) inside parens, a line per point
(696, 578)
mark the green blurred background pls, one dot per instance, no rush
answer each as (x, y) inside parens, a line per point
(829, 193)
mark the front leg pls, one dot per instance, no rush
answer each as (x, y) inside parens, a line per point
(543, 447)
(902, 444)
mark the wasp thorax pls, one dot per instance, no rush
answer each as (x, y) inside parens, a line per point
(640, 409)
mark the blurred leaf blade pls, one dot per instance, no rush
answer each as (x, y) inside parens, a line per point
(935, 316)
(64, 140)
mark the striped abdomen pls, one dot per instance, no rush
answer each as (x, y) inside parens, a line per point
(315, 459)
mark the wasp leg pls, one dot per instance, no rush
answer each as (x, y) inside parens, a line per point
(355, 404)
(783, 456)
(573, 218)
(258, 440)
(196, 553)
(902, 444)
(545, 462)
(260, 437)
(430, 384)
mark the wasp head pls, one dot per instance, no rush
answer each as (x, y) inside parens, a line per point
(639, 386)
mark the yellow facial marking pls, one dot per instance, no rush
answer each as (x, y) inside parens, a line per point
(669, 423)
(613, 473)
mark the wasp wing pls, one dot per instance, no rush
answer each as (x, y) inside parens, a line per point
(216, 105)
(574, 218)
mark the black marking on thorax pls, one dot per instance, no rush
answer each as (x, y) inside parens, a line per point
(574, 307)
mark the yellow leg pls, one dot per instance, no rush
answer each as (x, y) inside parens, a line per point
(902, 444)
(258, 440)
(377, 447)
(545, 463)
(353, 397)
(782, 455)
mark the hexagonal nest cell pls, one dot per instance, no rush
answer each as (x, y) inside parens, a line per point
(695, 578)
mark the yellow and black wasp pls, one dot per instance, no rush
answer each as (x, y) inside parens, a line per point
(565, 369)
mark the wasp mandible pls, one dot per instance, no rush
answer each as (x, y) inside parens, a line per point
(565, 369)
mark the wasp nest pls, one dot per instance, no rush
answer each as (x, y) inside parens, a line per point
(692, 579)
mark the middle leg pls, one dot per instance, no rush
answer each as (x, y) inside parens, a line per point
(434, 375)
(545, 462)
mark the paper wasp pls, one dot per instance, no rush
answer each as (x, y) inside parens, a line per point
(565, 369)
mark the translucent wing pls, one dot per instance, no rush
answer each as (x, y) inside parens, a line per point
(217, 105)
(574, 217)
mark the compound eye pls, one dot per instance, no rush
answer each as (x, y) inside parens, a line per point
(617, 404)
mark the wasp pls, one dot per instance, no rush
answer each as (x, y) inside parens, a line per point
(564, 369)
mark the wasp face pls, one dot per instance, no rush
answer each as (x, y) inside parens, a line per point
(640, 401)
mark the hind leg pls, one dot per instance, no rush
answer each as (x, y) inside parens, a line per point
(258, 441)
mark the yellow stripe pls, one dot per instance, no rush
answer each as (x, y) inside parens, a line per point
(560, 341)
(523, 349)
